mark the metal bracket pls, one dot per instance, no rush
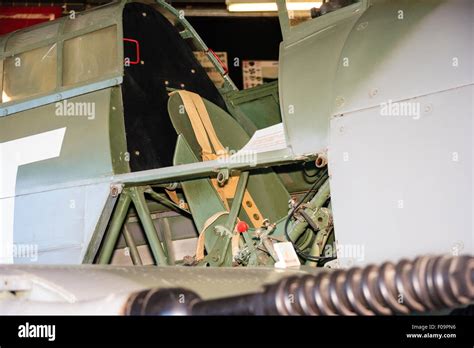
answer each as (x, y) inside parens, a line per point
(115, 190)
(223, 176)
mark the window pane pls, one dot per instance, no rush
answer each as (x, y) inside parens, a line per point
(89, 56)
(25, 38)
(209, 67)
(300, 11)
(87, 19)
(29, 73)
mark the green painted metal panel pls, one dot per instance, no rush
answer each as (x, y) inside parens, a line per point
(405, 112)
(401, 34)
(86, 142)
(118, 142)
(310, 56)
(201, 197)
(255, 108)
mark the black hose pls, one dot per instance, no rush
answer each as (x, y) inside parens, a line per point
(423, 285)
(426, 284)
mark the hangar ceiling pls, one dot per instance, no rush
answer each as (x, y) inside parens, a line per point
(202, 8)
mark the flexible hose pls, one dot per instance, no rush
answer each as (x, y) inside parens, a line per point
(425, 284)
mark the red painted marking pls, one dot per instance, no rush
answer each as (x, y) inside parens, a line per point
(220, 61)
(137, 45)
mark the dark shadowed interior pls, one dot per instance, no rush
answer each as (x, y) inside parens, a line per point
(166, 60)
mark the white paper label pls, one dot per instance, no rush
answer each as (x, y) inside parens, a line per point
(286, 255)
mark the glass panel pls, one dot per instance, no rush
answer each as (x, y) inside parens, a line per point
(209, 67)
(29, 73)
(25, 38)
(80, 21)
(300, 11)
(89, 56)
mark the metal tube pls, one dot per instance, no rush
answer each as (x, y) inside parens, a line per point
(116, 223)
(307, 237)
(321, 197)
(134, 254)
(205, 169)
(168, 241)
(315, 252)
(166, 202)
(143, 212)
(311, 208)
(319, 243)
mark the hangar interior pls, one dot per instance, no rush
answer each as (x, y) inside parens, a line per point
(291, 138)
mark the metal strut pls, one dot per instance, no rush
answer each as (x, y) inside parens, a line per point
(136, 196)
